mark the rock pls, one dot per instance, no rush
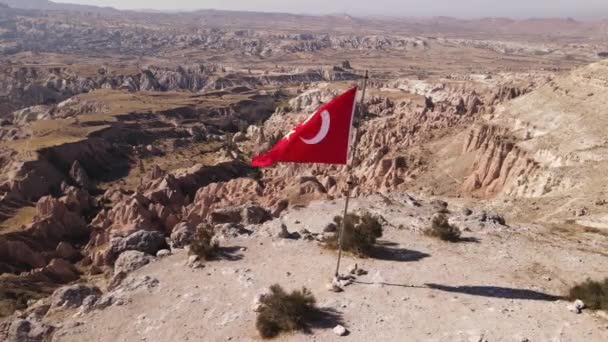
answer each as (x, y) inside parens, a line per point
(163, 253)
(492, 218)
(577, 307)
(116, 280)
(411, 201)
(232, 230)
(496, 219)
(66, 251)
(226, 215)
(182, 235)
(239, 137)
(89, 303)
(284, 234)
(330, 228)
(279, 207)
(194, 262)
(148, 242)
(254, 214)
(61, 271)
(339, 330)
(440, 206)
(355, 270)
(72, 296)
(79, 176)
(581, 212)
(131, 260)
(467, 212)
(257, 300)
(21, 330)
(334, 287)
(136, 283)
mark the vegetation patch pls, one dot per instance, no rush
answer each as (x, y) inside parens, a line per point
(442, 229)
(203, 244)
(593, 293)
(360, 234)
(283, 312)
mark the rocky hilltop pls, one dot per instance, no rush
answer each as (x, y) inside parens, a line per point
(118, 152)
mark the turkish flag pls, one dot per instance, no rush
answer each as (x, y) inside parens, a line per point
(322, 138)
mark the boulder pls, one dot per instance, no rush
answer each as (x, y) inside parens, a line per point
(129, 261)
(163, 253)
(68, 252)
(182, 235)
(72, 296)
(279, 207)
(22, 330)
(80, 176)
(440, 206)
(61, 271)
(226, 215)
(254, 214)
(145, 241)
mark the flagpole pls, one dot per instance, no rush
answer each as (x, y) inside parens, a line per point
(349, 181)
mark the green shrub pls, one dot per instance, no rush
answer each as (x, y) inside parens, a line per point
(203, 244)
(282, 312)
(593, 293)
(442, 229)
(360, 234)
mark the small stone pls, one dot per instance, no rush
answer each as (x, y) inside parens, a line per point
(330, 228)
(576, 307)
(334, 286)
(339, 330)
(467, 212)
(194, 262)
(163, 253)
(284, 234)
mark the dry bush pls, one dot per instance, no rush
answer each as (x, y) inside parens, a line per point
(360, 234)
(593, 293)
(203, 244)
(442, 229)
(282, 312)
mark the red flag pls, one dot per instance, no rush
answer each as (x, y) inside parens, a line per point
(322, 138)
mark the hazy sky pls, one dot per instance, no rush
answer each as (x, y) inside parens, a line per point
(466, 8)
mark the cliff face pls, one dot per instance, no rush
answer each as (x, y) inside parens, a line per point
(547, 144)
(499, 165)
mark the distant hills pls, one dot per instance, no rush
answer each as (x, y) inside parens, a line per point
(441, 25)
(54, 6)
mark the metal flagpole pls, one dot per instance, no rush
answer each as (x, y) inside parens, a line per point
(349, 180)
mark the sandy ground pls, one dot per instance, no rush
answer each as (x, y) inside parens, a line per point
(501, 286)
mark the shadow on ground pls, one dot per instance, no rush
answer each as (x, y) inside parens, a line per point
(469, 239)
(496, 292)
(232, 253)
(384, 251)
(325, 318)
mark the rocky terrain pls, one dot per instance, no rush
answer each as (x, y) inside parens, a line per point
(122, 132)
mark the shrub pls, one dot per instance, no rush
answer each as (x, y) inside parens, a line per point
(360, 234)
(203, 244)
(442, 229)
(282, 312)
(593, 293)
